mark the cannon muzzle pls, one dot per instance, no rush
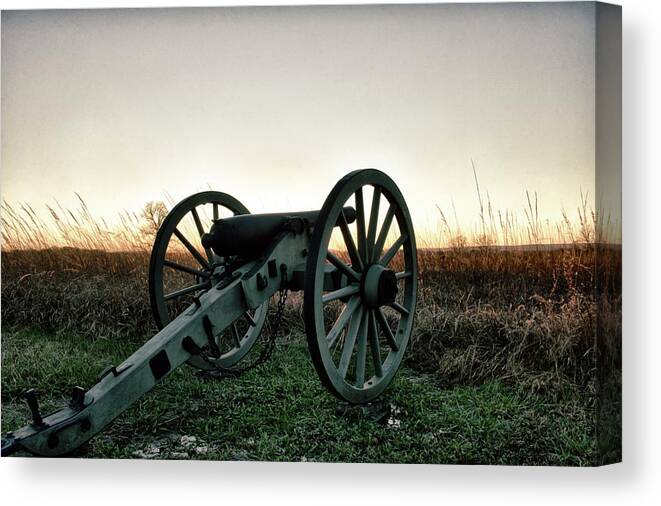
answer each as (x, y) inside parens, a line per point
(248, 235)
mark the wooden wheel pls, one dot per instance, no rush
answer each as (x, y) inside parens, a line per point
(180, 269)
(357, 334)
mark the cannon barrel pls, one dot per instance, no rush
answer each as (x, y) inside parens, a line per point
(247, 235)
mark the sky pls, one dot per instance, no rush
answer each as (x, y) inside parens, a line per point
(274, 105)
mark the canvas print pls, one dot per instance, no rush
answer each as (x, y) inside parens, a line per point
(377, 233)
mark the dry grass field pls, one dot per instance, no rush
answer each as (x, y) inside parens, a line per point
(534, 325)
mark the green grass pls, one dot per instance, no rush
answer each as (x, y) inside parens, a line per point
(281, 412)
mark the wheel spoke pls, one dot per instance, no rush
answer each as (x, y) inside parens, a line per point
(383, 322)
(200, 230)
(216, 214)
(342, 320)
(392, 251)
(374, 218)
(251, 320)
(342, 266)
(362, 353)
(403, 275)
(187, 290)
(196, 254)
(399, 308)
(374, 345)
(360, 225)
(350, 342)
(356, 262)
(383, 235)
(185, 268)
(342, 292)
(198, 222)
(237, 338)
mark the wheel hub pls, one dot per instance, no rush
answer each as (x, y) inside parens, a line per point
(379, 286)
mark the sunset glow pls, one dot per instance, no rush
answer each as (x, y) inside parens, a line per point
(274, 105)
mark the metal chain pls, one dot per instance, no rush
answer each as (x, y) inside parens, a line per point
(219, 372)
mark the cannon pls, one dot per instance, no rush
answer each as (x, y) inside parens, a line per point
(354, 260)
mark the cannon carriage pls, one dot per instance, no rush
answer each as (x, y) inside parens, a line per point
(354, 260)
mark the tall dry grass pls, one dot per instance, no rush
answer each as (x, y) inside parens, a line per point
(521, 300)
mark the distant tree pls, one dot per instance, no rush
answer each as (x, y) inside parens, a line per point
(153, 214)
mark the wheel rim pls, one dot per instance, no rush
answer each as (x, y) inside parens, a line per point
(180, 269)
(358, 345)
